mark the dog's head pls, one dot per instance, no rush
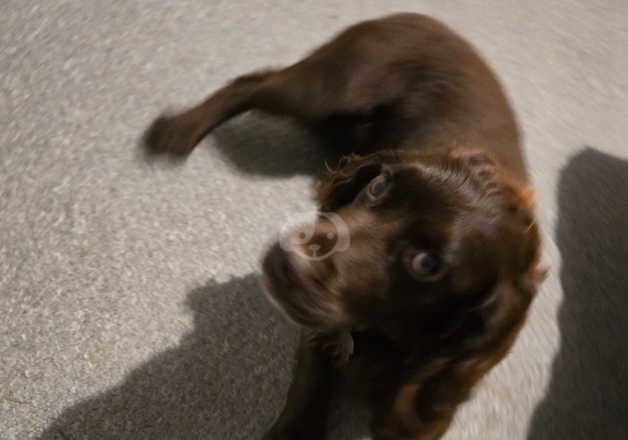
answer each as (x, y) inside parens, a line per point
(423, 239)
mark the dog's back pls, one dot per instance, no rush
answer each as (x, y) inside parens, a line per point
(408, 81)
(402, 81)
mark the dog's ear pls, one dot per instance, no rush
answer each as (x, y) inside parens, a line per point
(342, 184)
(505, 306)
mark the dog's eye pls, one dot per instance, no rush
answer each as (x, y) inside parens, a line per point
(379, 185)
(424, 265)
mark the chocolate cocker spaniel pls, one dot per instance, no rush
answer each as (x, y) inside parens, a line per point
(443, 249)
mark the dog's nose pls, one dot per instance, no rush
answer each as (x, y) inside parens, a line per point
(314, 248)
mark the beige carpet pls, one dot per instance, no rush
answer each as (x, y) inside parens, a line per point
(129, 307)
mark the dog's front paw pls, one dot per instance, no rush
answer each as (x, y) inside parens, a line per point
(174, 135)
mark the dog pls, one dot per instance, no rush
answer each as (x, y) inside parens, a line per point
(443, 256)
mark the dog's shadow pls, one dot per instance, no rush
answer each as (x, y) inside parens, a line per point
(588, 394)
(260, 144)
(225, 380)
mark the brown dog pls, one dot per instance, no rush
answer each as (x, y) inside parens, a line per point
(442, 262)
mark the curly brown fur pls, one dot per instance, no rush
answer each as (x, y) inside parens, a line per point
(443, 258)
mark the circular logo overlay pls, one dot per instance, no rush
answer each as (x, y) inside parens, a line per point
(298, 235)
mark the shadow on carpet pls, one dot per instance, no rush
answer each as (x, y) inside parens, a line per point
(260, 144)
(225, 380)
(588, 393)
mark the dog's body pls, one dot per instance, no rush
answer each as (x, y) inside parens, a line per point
(444, 247)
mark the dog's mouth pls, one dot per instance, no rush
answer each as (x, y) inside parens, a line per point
(291, 290)
(280, 273)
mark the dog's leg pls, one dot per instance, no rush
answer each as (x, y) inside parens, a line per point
(304, 416)
(286, 92)
(178, 134)
(304, 91)
(309, 91)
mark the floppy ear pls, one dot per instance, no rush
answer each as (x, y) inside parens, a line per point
(505, 309)
(502, 308)
(340, 185)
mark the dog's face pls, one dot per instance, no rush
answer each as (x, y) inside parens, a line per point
(424, 236)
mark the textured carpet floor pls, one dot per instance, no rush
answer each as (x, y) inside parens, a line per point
(129, 306)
